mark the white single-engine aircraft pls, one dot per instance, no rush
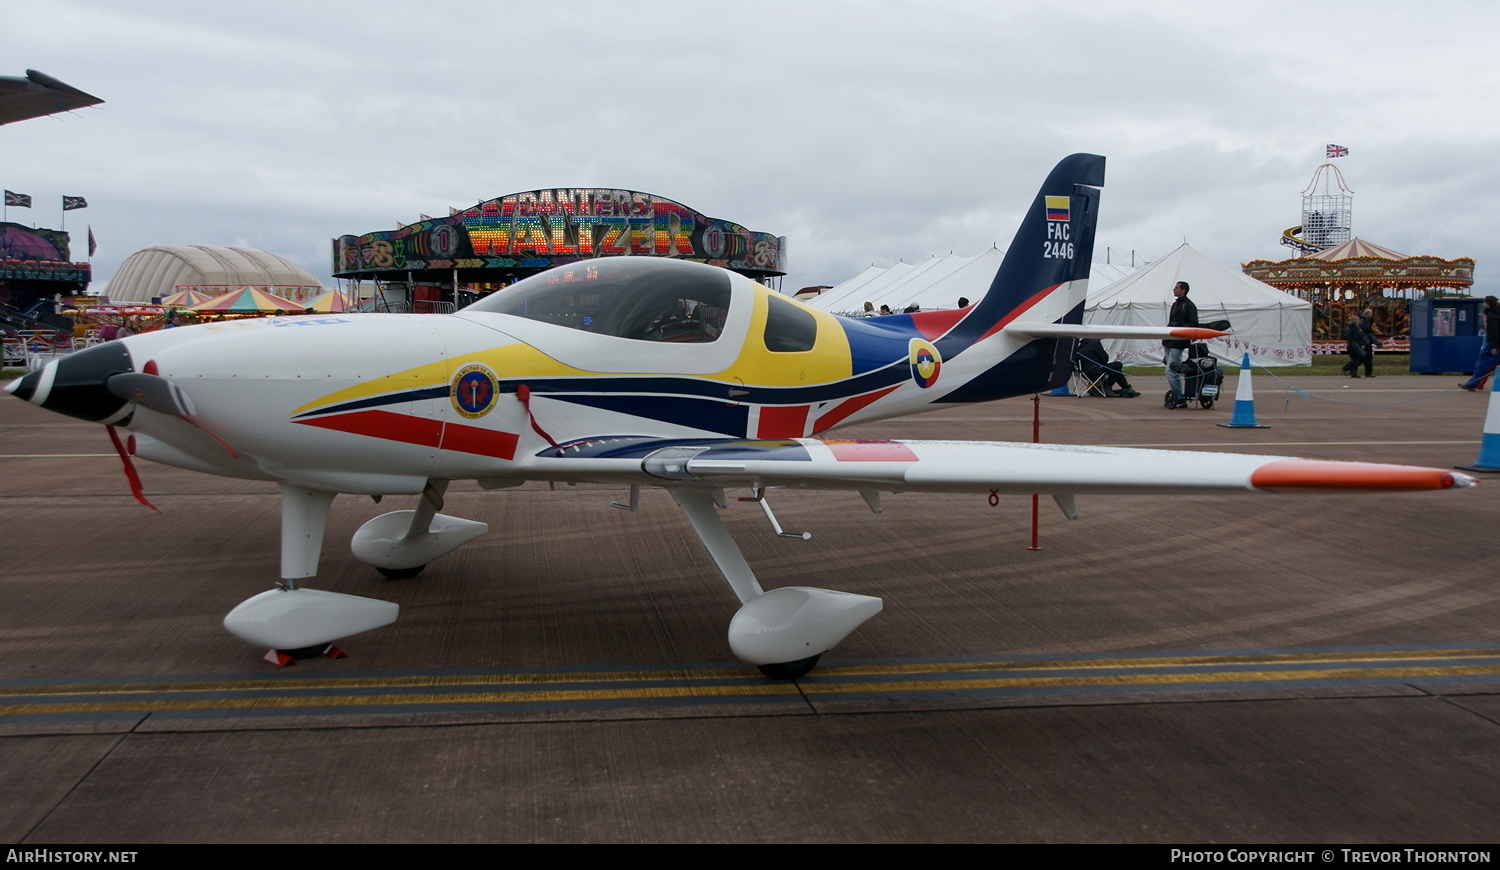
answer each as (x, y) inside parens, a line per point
(635, 371)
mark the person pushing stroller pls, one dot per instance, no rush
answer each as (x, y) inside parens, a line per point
(1183, 313)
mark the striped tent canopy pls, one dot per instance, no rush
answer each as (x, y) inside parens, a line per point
(331, 302)
(1356, 247)
(185, 298)
(247, 300)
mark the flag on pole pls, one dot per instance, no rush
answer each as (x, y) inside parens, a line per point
(17, 200)
(1337, 151)
(92, 247)
(73, 202)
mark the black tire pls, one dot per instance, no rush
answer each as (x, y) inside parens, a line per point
(790, 670)
(1206, 403)
(1170, 401)
(400, 573)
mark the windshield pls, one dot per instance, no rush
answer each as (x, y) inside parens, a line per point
(631, 297)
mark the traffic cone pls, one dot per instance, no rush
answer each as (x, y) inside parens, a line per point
(1489, 443)
(1244, 401)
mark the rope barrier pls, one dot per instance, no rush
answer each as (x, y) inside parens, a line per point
(1305, 395)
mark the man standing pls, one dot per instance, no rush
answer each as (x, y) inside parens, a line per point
(1367, 326)
(1489, 354)
(1183, 313)
(1355, 346)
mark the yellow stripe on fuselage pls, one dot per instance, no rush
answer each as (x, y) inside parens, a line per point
(511, 360)
(829, 360)
(427, 375)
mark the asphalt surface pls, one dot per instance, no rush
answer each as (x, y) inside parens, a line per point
(1250, 669)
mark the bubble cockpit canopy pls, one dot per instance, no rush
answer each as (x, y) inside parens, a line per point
(645, 299)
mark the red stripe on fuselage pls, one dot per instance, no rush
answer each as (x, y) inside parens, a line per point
(782, 421)
(1018, 311)
(383, 424)
(481, 442)
(935, 324)
(422, 431)
(840, 412)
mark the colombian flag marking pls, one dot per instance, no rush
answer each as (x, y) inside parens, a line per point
(1057, 208)
(925, 362)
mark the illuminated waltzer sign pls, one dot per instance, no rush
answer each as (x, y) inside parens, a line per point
(539, 229)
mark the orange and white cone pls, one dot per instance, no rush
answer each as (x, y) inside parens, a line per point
(1244, 401)
(1489, 442)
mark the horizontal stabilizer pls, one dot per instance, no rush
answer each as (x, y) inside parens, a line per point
(1091, 330)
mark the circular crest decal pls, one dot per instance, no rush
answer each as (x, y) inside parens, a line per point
(474, 391)
(925, 363)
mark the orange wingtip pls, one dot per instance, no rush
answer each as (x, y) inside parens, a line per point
(1196, 333)
(1314, 474)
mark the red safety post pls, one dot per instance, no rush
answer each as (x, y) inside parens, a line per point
(1036, 438)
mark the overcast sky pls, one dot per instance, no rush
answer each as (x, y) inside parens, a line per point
(865, 132)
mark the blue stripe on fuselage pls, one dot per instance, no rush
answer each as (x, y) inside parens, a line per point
(638, 387)
(704, 414)
(878, 341)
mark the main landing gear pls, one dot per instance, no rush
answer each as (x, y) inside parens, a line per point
(790, 670)
(783, 632)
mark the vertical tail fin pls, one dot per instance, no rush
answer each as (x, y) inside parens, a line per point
(1051, 251)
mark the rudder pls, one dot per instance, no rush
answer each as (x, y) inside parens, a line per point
(1053, 246)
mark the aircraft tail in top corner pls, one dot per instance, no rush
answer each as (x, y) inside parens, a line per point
(1045, 271)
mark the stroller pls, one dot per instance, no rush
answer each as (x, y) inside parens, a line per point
(1201, 377)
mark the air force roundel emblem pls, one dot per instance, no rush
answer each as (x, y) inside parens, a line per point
(925, 363)
(474, 391)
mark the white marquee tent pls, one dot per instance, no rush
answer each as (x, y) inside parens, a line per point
(1274, 326)
(936, 283)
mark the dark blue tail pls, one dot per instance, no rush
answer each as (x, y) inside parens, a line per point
(1054, 245)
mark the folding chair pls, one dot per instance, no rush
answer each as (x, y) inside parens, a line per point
(1081, 384)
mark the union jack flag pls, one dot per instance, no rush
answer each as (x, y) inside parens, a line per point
(1337, 151)
(17, 200)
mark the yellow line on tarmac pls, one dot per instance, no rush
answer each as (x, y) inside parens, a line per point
(52, 455)
(762, 689)
(1150, 679)
(1137, 675)
(1157, 662)
(1294, 443)
(418, 680)
(682, 675)
(643, 693)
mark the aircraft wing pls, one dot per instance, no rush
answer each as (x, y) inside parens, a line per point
(967, 466)
(1093, 330)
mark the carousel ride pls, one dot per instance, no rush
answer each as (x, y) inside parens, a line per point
(99, 320)
(1342, 275)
